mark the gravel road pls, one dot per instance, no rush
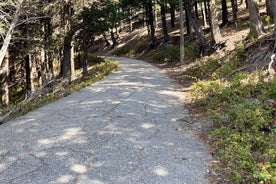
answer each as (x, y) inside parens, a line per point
(124, 129)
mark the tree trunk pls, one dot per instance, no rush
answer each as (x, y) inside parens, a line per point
(215, 31)
(164, 22)
(29, 69)
(66, 61)
(72, 62)
(84, 61)
(234, 12)
(204, 14)
(114, 42)
(172, 11)
(256, 25)
(49, 53)
(188, 22)
(196, 10)
(151, 25)
(4, 81)
(105, 40)
(10, 31)
(182, 53)
(269, 8)
(274, 15)
(155, 13)
(196, 25)
(130, 20)
(224, 12)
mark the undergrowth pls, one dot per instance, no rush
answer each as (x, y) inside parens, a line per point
(95, 74)
(132, 50)
(172, 54)
(242, 106)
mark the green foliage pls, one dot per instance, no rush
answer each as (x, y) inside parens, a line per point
(268, 21)
(131, 50)
(204, 69)
(91, 60)
(95, 74)
(272, 89)
(244, 133)
(124, 51)
(171, 54)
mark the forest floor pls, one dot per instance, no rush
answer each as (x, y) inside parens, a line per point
(136, 44)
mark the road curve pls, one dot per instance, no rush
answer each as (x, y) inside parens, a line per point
(123, 129)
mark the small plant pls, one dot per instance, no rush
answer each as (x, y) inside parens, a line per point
(268, 23)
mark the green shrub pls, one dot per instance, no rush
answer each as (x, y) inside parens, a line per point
(171, 54)
(124, 51)
(203, 70)
(244, 132)
(272, 89)
(91, 60)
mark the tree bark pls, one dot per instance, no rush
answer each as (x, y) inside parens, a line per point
(130, 20)
(215, 30)
(274, 15)
(234, 12)
(29, 69)
(188, 22)
(66, 61)
(105, 39)
(224, 12)
(256, 25)
(84, 62)
(182, 53)
(196, 25)
(172, 12)
(10, 31)
(204, 16)
(196, 9)
(4, 81)
(164, 22)
(269, 8)
(114, 42)
(72, 62)
(151, 25)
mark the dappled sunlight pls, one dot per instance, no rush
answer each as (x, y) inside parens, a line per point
(46, 141)
(160, 171)
(62, 154)
(119, 130)
(79, 169)
(70, 132)
(65, 179)
(147, 125)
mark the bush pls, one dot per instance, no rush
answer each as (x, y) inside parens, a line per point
(243, 134)
(168, 55)
(124, 51)
(203, 70)
(91, 60)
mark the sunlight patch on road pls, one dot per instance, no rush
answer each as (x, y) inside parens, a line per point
(46, 141)
(147, 125)
(79, 168)
(64, 179)
(70, 132)
(161, 171)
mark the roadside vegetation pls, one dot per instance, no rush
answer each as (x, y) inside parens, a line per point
(242, 106)
(98, 69)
